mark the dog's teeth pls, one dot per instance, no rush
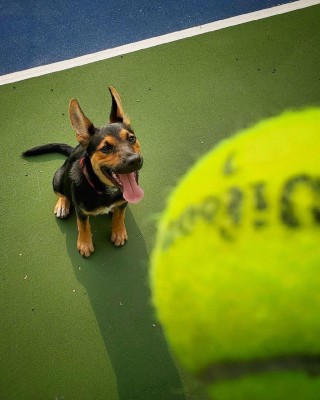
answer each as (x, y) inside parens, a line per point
(115, 177)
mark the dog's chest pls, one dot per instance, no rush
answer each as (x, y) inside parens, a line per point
(100, 210)
(103, 209)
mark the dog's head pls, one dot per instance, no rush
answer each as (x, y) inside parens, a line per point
(113, 149)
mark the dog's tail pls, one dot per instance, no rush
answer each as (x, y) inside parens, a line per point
(60, 148)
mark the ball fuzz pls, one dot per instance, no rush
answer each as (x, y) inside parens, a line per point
(235, 271)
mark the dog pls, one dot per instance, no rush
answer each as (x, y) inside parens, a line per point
(100, 174)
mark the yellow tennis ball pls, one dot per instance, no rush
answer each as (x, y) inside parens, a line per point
(235, 272)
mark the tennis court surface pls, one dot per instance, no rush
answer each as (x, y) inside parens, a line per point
(74, 328)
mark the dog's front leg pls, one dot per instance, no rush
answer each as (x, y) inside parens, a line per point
(119, 233)
(84, 243)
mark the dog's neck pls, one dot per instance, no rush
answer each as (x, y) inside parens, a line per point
(90, 176)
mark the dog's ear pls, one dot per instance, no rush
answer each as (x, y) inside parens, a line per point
(117, 114)
(83, 127)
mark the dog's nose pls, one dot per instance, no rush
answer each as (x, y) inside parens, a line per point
(134, 161)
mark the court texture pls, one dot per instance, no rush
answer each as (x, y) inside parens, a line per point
(190, 73)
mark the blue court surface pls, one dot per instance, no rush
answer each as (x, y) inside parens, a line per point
(35, 33)
(190, 74)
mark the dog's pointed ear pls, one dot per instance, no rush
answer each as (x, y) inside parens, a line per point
(83, 127)
(117, 114)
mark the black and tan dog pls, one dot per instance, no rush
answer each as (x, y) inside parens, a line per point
(100, 174)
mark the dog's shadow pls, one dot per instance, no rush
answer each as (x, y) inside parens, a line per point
(116, 282)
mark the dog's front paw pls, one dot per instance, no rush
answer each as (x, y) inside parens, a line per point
(119, 237)
(62, 208)
(85, 247)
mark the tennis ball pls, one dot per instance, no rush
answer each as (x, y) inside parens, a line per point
(235, 272)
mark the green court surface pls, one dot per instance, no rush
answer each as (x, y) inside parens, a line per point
(74, 328)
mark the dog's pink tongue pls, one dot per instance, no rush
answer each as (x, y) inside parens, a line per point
(132, 192)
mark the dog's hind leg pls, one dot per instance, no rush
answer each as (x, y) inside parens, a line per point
(62, 207)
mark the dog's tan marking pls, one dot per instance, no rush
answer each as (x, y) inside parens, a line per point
(99, 160)
(84, 242)
(62, 207)
(119, 233)
(97, 211)
(103, 210)
(136, 147)
(109, 160)
(123, 134)
(109, 140)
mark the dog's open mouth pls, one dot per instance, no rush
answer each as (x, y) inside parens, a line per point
(128, 183)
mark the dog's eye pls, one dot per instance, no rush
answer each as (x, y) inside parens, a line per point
(132, 139)
(107, 148)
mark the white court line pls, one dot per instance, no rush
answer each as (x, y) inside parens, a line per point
(155, 41)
